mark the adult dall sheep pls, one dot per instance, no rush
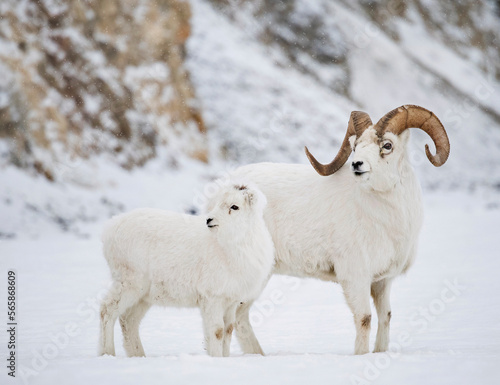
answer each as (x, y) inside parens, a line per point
(163, 258)
(355, 224)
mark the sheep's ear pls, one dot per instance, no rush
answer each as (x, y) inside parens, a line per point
(404, 137)
(352, 141)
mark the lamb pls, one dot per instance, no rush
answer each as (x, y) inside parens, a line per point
(163, 258)
(356, 225)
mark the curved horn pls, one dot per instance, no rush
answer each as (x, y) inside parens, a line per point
(407, 116)
(358, 122)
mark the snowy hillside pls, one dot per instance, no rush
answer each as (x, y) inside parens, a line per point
(263, 78)
(275, 76)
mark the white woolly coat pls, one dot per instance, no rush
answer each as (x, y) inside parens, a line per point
(330, 228)
(175, 259)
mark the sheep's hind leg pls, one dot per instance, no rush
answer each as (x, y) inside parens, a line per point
(357, 295)
(229, 319)
(119, 298)
(212, 312)
(244, 331)
(129, 322)
(381, 298)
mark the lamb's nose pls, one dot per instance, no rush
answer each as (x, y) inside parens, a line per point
(357, 165)
(209, 220)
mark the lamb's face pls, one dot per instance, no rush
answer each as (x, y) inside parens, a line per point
(237, 205)
(376, 160)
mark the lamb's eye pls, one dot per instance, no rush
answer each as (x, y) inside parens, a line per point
(387, 146)
(234, 207)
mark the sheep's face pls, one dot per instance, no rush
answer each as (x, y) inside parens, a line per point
(376, 160)
(235, 208)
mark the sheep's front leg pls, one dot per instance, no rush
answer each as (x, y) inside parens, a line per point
(381, 297)
(212, 312)
(229, 319)
(357, 295)
(244, 331)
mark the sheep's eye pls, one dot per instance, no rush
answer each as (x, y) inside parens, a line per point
(387, 146)
(234, 207)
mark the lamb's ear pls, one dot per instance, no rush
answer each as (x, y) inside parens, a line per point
(249, 197)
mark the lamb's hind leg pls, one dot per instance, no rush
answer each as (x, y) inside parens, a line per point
(244, 331)
(357, 294)
(129, 322)
(381, 298)
(119, 298)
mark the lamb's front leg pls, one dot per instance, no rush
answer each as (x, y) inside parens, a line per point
(357, 294)
(212, 311)
(381, 297)
(229, 319)
(244, 331)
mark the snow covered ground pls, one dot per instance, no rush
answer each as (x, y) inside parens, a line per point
(445, 326)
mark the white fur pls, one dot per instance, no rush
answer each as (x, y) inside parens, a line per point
(163, 258)
(358, 230)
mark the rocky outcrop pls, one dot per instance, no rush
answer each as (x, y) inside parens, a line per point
(81, 78)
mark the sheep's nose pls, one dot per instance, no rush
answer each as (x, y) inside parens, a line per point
(357, 165)
(209, 220)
